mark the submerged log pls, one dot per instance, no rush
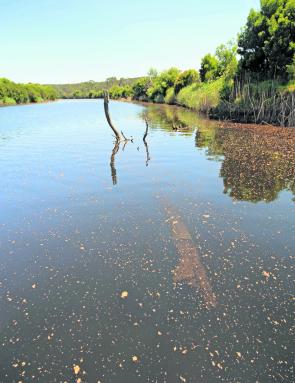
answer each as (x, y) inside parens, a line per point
(190, 268)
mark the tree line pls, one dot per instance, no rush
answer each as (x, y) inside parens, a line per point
(251, 79)
(12, 93)
(255, 166)
(91, 89)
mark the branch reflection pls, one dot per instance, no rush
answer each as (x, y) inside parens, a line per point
(112, 162)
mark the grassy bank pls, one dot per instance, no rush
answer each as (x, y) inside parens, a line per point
(267, 102)
(201, 97)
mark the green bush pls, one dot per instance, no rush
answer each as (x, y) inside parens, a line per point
(208, 70)
(266, 44)
(23, 93)
(201, 97)
(159, 85)
(139, 89)
(116, 92)
(186, 78)
(170, 96)
(8, 101)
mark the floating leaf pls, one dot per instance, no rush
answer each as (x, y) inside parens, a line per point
(124, 294)
(266, 274)
(76, 369)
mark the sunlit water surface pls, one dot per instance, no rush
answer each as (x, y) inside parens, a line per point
(166, 262)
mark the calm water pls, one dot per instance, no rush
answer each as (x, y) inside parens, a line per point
(196, 230)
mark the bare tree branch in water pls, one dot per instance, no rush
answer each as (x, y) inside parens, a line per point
(119, 137)
(145, 143)
(125, 138)
(125, 143)
(190, 268)
(112, 163)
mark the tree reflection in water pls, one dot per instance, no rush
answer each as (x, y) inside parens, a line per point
(258, 162)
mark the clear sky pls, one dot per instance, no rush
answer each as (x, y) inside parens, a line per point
(61, 41)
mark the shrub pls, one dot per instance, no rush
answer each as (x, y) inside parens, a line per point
(160, 84)
(39, 99)
(170, 96)
(208, 71)
(186, 78)
(201, 97)
(139, 89)
(8, 101)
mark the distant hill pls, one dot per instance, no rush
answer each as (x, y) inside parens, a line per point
(90, 88)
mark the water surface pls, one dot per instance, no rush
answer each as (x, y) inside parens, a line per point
(170, 261)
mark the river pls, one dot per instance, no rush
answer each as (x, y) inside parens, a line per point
(170, 261)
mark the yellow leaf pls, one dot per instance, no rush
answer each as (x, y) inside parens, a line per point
(266, 274)
(76, 369)
(124, 294)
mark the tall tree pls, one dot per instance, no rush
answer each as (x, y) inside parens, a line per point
(267, 43)
(208, 69)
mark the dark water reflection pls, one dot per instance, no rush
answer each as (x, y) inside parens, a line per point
(115, 271)
(256, 166)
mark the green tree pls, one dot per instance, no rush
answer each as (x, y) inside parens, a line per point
(152, 73)
(111, 81)
(209, 65)
(186, 78)
(166, 79)
(267, 43)
(227, 60)
(139, 89)
(22, 93)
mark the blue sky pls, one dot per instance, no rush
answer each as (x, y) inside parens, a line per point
(61, 41)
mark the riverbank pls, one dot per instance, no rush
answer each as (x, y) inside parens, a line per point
(30, 103)
(263, 126)
(266, 103)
